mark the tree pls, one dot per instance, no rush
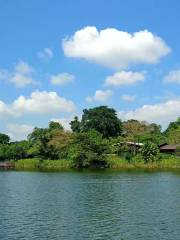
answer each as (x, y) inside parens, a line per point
(40, 138)
(55, 125)
(134, 130)
(14, 150)
(51, 142)
(60, 143)
(75, 125)
(150, 152)
(173, 132)
(102, 119)
(4, 139)
(88, 150)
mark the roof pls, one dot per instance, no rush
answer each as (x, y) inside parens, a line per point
(132, 143)
(169, 147)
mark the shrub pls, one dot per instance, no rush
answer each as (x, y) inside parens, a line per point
(88, 150)
(150, 152)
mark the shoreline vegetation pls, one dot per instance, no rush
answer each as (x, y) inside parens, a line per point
(100, 140)
(114, 162)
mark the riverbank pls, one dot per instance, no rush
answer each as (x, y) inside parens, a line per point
(168, 162)
(114, 162)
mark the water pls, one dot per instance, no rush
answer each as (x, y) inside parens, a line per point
(90, 205)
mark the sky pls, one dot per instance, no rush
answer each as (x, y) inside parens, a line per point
(59, 57)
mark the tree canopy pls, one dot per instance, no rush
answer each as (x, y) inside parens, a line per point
(102, 119)
(4, 139)
(173, 132)
(141, 131)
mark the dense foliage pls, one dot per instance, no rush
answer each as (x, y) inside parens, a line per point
(88, 150)
(150, 152)
(137, 131)
(93, 139)
(102, 119)
(173, 132)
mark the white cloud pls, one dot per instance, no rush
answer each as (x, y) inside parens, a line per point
(19, 131)
(114, 48)
(23, 68)
(62, 78)
(128, 98)
(173, 77)
(45, 54)
(124, 78)
(4, 110)
(100, 96)
(21, 80)
(38, 103)
(21, 76)
(161, 113)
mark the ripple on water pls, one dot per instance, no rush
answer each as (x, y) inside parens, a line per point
(89, 205)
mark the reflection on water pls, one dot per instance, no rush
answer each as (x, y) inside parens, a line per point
(90, 205)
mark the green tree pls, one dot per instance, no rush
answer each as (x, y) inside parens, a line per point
(14, 151)
(60, 143)
(75, 125)
(150, 152)
(173, 132)
(88, 150)
(51, 142)
(134, 130)
(102, 119)
(55, 125)
(4, 139)
(40, 138)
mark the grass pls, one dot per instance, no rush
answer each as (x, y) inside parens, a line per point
(27, 164)
(114, 162)
(165, 162)
(44, 165)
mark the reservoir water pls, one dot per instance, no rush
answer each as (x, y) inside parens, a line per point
(90, 205)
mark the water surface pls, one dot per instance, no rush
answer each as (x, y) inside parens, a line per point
(93, 205)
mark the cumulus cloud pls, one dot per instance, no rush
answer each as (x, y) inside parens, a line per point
(45, 54)
(23, 68)
(173, 77)
(37, 103)
(21, 76)
(128, 98)
(4, 110)
(20, 80)
(19, 131)
(100, 96)
(124, 78)
(62, 78)
(113, 48)
(161, 113)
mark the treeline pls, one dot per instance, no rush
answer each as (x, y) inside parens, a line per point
(92, 140)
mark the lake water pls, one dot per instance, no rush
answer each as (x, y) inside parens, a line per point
(93, 205)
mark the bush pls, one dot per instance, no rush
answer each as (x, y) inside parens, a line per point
(150, 152)
(88, 150)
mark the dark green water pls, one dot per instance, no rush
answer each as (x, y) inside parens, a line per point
(90, 205)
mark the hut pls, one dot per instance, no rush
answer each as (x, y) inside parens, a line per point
(169, 148)
(133, 146)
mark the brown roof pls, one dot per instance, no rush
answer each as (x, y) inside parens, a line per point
(169, 147)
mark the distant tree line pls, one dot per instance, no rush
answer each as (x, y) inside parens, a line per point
(92, 139)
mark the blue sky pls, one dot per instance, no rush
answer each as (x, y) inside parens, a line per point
(124, 54)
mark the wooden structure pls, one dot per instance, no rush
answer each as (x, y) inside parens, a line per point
(132, 146)
(169, 148)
